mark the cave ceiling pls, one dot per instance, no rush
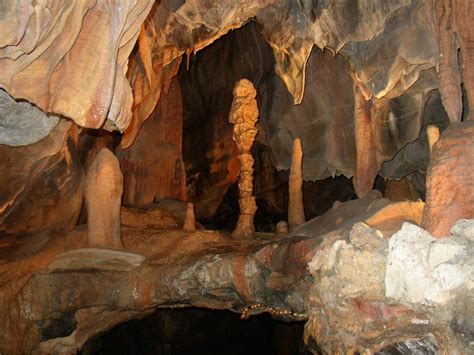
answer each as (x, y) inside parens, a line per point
(105, 64)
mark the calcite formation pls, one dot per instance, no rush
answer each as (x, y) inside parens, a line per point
(244, 115)
(153, 167)
(340, 280)
(433, 135)
(295, 206)
(103, 196)
(449, 72)
(23, 123)
(189, 220)
(42, 184)
(366, 169)
(46, 51)
(371, 80)
(450, 180)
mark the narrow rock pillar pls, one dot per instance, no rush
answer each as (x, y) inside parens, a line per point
(103, 196)
(244, 115)
(189, 219)
(433, 135)
(295, 205)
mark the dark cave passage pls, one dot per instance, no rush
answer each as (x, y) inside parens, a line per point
(199, 331)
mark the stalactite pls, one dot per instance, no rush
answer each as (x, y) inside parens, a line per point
(295, 206)
(244, 115)
(464, 17)
(366, 164)
(449, 76)
(103, 196)
(189, 220)
(433, 135)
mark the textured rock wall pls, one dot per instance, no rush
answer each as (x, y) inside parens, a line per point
(41, 183)
(153, 166)
(450, 180)
(46, 52)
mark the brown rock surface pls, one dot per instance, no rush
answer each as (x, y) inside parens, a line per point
(103, 196)
(41, 185)
(450, 180)
(295, 184)
(46, 51)
(343, 301)
(244, 115)
(153, 167)
(189, 220)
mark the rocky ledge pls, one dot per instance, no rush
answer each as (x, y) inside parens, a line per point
(364, 276)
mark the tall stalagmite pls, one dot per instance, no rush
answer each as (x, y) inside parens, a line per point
(244, 115)
(433, 135)
(295, 205)
(103, 196)
(450, 180)
(189, 219)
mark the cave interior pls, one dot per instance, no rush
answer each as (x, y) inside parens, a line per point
(237, 177)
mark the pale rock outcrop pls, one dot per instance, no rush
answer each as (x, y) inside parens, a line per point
(22, 123)
(425, 270)
(295, 184)
(103, 196)
(244, 115)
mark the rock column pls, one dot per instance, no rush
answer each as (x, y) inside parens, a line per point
(103, 196)
(189, 220)
(295, 206)
(450, 180)
(433, 135)
(244, 115)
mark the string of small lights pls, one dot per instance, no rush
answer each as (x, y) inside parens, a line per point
(246, 313)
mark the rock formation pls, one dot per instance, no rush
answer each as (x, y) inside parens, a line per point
(42, 43)
(450, 180)
(370, 79)
(433, 135)
(153, 167)
(449, 72)
(366, 169)
(243, 115)
(41, 184)
(189, 220)
(295, 200)
(282, 228)
(351, 302)
(103, 196)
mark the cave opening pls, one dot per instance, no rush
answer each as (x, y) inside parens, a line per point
(200, 331)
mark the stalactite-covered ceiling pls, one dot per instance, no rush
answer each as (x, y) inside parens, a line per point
(390, 54)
